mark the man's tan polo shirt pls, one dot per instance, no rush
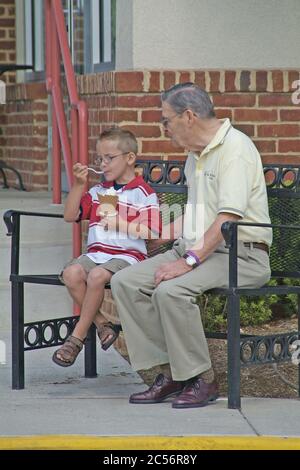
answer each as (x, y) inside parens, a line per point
(226, 177)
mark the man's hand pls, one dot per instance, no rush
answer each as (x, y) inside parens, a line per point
(170, 270)
(80, 173)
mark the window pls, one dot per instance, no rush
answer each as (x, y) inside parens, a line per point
(91, 33)
(34, 51)
(100, 32)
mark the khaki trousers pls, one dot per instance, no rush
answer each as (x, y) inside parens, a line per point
(163, 324)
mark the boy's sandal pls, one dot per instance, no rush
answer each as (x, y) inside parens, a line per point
(108, 334)
(68, 352)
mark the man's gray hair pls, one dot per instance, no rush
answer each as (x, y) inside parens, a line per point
(189, 96)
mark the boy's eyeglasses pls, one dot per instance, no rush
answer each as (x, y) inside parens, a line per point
(99, 159)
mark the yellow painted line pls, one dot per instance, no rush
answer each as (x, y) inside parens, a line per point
(77, 442)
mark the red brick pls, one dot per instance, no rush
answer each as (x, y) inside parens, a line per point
(214, 81)
(277, 79)
(159, 146)
(245, 80)
(125, 115)
(223, 113)
(169, 79)
(234, 100)
(255, 115)
(293, 76)
(246, 129)
(261, 80)
(279, 130)
(144, 101)
(272, 99)
(230, 80)
(129, 81)
(144, 131)
(264, 146)
(7, 45)
(281, 158)
(40, 130)
(7, 22)
(154, 82)
(200, 80)
(40, 179)
(290, 114)
(39, 106)
(289, 145)
(151, 116)
(184, 77)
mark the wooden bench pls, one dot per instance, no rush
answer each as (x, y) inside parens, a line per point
(168, 180)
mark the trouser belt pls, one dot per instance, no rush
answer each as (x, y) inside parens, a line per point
(260, 246)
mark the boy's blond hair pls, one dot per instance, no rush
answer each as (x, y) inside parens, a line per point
(126, 140)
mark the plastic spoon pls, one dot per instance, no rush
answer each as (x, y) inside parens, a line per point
(95, 171)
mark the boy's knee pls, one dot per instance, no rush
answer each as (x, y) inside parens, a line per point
(98, 277)
(73, 273)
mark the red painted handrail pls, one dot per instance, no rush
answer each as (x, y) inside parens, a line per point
(57, 47)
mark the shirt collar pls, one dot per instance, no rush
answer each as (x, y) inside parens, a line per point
(218, 138)
(135, 183)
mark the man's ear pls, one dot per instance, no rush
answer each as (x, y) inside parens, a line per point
(190, 115)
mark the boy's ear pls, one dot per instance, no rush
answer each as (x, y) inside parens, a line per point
(131, 158)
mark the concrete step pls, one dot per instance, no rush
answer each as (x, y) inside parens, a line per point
(45, 247)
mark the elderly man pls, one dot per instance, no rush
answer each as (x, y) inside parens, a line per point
(155, 299)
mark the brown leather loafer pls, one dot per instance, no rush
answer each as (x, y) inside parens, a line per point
(196, 393)
(162, 388)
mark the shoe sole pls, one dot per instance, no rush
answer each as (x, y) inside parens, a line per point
(151, 402)
(209, 401)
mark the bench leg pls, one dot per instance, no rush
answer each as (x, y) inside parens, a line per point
(90, 356)
(17, 291)
(233, 348)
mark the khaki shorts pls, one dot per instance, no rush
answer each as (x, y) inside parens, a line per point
(113, 265)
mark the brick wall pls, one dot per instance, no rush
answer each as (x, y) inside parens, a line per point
(258, 102)
(23, 137)
(7, 37)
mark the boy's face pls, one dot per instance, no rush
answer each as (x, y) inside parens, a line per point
(118, 167)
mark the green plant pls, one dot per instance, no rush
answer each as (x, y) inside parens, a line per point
(253, 311)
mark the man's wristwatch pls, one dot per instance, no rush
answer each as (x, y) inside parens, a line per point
(191, 259)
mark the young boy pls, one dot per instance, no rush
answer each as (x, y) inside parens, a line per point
(116, 236)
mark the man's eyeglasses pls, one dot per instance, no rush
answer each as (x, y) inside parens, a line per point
(99, 159)
(166, 121)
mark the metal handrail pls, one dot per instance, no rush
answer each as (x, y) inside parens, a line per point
(57, 47)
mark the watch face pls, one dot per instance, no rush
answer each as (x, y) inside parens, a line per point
(190, 261)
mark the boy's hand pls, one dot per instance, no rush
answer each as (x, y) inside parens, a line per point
(80, 173)
(109, 223)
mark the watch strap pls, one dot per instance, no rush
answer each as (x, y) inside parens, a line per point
(193, 255)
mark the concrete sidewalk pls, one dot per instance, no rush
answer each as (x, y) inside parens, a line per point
(60, 401)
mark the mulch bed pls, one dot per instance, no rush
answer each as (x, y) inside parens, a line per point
(256, 381)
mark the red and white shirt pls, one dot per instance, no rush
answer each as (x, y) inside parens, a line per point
(138, 203)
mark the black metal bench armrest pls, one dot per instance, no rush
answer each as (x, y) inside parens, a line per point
(10, 215)
(229, 231)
